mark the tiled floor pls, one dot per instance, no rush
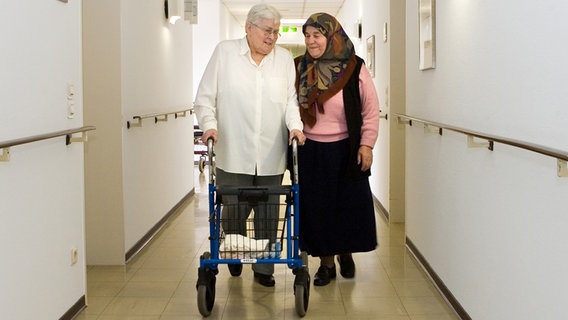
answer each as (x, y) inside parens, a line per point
(160, 282)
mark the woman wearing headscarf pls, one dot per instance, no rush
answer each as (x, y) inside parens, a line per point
(340, 111)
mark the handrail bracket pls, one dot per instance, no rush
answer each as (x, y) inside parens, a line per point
(161, 118)
(562, 168)
(432, 129)
(400, 120)
(476, 144)
(180, 114)
(69, 138)
(5, 156)
(138, 122)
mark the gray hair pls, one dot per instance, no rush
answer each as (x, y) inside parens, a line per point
(263, 11)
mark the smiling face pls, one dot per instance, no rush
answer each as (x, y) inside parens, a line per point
(262, 36)
(316, 42)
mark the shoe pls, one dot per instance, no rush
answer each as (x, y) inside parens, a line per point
(324, 276)
(235, 269)
(346, 265)
(266, 280)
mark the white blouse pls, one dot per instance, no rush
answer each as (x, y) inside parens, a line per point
(251, 106)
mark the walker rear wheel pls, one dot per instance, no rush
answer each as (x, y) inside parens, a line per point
(201, 164)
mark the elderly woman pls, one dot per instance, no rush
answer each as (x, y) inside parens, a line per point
(246, 102)
(340, 111)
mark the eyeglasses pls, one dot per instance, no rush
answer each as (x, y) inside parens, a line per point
(268, 31)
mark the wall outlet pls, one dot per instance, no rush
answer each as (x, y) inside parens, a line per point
(74, 255)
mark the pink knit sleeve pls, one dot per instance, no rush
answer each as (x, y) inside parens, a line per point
(370, 108)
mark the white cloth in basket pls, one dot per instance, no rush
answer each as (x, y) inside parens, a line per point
(236, 246)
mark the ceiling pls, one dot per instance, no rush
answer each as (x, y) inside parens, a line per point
(290, 9)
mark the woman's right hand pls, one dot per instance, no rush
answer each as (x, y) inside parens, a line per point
(299, 135)
(211, 133)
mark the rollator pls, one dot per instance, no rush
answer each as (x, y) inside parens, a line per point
(253, 245)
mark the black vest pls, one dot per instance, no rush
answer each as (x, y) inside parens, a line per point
(354, 118)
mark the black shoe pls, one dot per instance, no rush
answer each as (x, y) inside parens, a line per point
(324, 276)
(346, 265)
(266, 280)
(235, 269)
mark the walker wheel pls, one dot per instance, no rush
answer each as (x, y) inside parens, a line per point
(302, 297)
(201, 164)
(302, 291)
(206, 297)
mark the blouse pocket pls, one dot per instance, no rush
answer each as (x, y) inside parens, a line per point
(277, 89)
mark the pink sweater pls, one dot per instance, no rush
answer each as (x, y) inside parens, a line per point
(331, 125)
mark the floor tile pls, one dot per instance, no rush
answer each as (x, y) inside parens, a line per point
(136, 306)
(163, 289)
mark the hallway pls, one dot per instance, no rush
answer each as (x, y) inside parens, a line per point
(159, 283)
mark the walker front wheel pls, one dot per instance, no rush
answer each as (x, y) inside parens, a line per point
(302, 291)
(302, 297)
(205, 300)
(205, 291)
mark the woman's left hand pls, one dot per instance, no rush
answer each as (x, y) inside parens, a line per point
(365, 157)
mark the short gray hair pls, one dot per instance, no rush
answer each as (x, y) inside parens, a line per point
(263, 11)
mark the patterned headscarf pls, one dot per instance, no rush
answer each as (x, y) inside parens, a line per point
(320, 79)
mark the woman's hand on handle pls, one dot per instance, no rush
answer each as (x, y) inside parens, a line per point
(299, 135)
(211, 133)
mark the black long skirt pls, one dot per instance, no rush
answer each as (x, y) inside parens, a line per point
(336, 215)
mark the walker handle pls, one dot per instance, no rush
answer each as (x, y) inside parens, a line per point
(295, 176)
(211, 157)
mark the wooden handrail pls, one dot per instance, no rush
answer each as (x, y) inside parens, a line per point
(157, 117)
(5, 145)
(560, 155)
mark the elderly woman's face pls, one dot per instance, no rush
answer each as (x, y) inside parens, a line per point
(262, 36)
(315, 41)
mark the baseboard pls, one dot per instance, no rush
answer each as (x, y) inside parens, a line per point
(380, 208)
(444, 291)
(130, 254)
(75, 309)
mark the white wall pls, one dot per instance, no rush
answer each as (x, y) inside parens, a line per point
(214, 24)
(41, 189)
(205, 37)
(491, 224)
(136, 64)
(157, 62)
(373, 14)
(229, 27)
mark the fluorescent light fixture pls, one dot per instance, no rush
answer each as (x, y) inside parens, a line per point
(293, 22)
